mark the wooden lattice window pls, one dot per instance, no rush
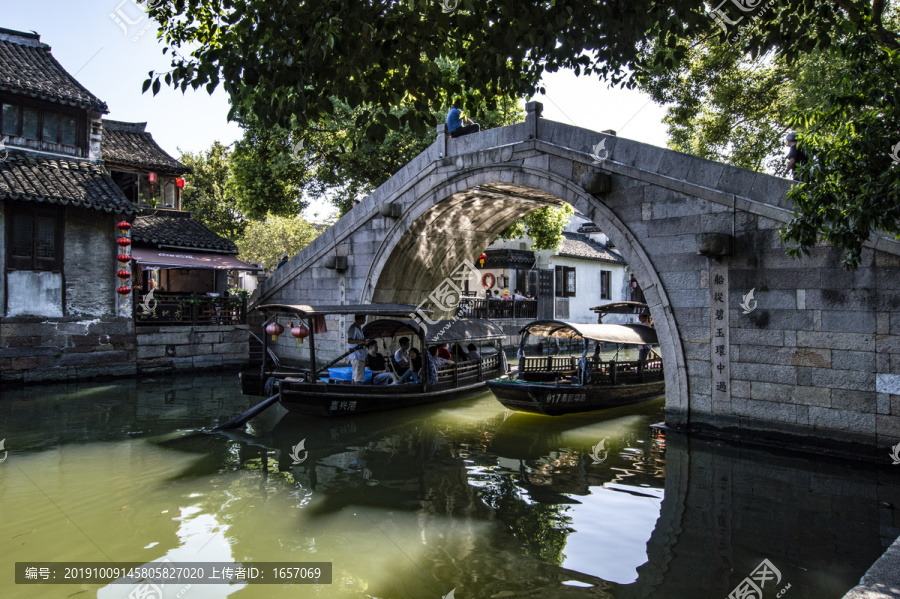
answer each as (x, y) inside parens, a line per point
(34, 237)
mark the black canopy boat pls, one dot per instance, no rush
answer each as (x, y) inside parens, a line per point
(554, 385)
(326, 391)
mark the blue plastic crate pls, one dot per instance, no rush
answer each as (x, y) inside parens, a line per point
(346, 373)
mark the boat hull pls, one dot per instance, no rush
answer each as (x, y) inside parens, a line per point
(321, 399)
(553, 400)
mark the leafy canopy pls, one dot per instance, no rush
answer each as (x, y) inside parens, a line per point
(205, 192)
(265, 240)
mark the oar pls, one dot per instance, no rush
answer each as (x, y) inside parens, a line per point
(239, 421)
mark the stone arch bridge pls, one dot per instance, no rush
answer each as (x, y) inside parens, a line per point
(818, 358)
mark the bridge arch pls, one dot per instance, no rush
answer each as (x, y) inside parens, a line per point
(458, 217)
(817, 358)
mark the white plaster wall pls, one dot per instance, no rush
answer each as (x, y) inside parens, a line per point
(588, 287)
(34, 293)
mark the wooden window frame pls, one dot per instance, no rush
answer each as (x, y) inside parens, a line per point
(81, 141)
(14, 211)
(562, 281)
(605, 284)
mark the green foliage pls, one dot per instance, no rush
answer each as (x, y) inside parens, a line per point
(544, 225)
(287, 62)
(344, 165)
(205, 194)
(850, 186)
(266, 178)
(264, 241)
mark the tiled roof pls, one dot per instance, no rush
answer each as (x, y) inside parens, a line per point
(33, 177)
(575, 245)
(172, 228)
(129, 145)
(28, 68)
(589, 228)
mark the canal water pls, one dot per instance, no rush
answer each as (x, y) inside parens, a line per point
(463, 499)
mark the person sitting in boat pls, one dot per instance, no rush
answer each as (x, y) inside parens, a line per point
(401, 356)
(378, 365)
(473, 354)
(439, 362)
(415, 365)
(358, 358)
(443, 351)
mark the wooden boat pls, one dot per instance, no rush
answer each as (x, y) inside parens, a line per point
(312, 391)
(554, 385)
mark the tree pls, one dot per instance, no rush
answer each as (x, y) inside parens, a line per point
(265, 241)
(205, 191)
(266, 176)
(850, 185)
(286, 62)
(345, 166)
(544, 225)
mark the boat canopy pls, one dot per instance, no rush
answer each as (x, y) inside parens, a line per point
(304, 311)
(443, 331)
(622, 308)
(630, 334)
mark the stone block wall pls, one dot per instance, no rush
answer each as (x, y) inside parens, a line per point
(34, 349)
(818, 357)
(190, 348)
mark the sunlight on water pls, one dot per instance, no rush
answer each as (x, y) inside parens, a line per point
(414, 503)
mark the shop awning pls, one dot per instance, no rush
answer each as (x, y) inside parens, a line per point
(188, 259)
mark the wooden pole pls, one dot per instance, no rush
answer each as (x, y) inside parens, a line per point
(312, 348)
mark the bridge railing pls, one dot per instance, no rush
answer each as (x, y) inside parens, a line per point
(471, 307)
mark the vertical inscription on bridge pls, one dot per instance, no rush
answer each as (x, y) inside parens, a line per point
(718, 316)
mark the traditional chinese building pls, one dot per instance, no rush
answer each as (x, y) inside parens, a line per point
(583, 272)
(67, 178)
(58, 210)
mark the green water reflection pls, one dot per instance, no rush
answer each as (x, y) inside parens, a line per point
(415, 503)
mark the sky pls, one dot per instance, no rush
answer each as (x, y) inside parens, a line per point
(109, 46)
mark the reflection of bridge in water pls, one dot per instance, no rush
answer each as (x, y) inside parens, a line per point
(488, 502)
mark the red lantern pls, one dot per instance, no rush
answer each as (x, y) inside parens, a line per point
(301, 333)
(274, 329)
(123, 274)
(123, 258)
(151, 177)
(124, 290)
(179, 183)
(124, 226)
(482, 258)
(123, 241)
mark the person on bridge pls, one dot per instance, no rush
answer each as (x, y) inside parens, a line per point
(455, 123)
(795, 156)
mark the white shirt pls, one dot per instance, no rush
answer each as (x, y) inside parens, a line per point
(355, 332)
(401, 357)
